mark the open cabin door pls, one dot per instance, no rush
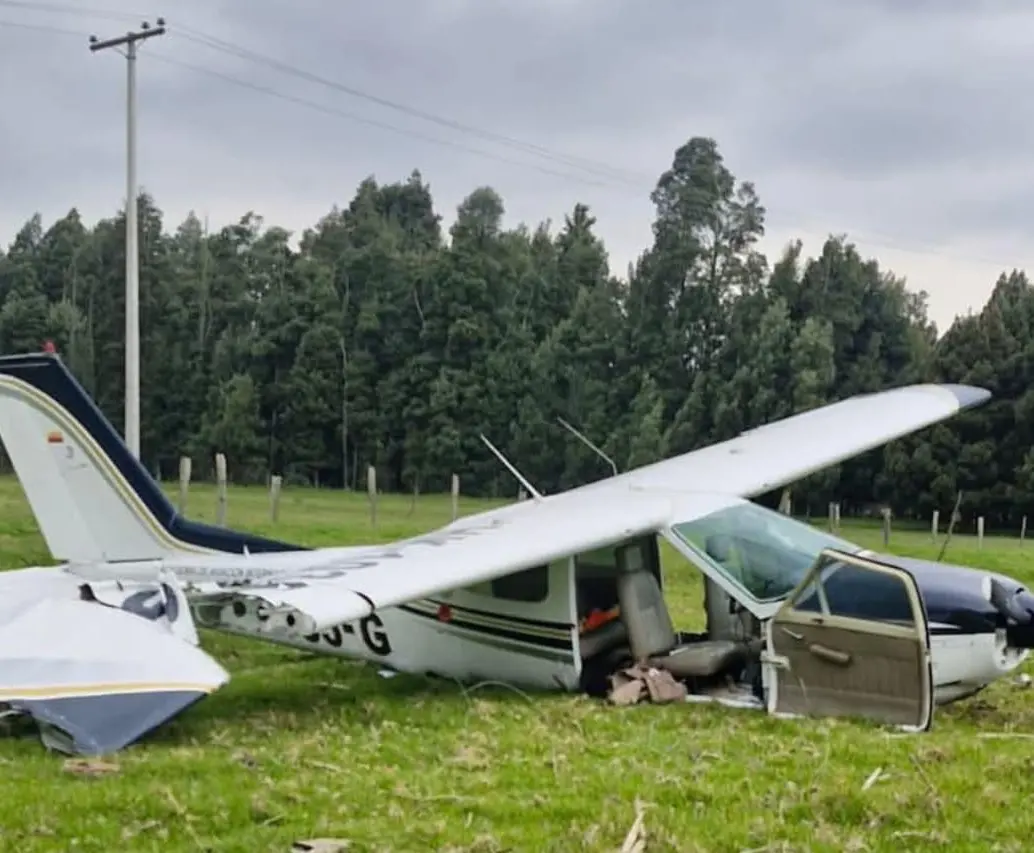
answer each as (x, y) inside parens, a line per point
(852, 640)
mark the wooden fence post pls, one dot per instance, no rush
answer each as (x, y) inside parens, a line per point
(371, 490)
(220, 481)
(886, 526)
(1023, 530)
(275, 483)
(980, 532)
(185, 465)
(455, 496)
(935, 523)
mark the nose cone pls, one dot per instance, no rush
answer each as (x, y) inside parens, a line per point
(1023, 603)
(1025, 600)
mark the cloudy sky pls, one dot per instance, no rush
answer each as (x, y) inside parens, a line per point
(900, 122)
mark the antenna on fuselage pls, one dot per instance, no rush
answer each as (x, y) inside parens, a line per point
(512, 469)
(584, 440)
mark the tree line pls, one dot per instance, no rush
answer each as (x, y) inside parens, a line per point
(380, 340)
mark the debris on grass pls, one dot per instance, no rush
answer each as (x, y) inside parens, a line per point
(185, 816)
(470, 758)
(926, 780)
(998, 735)
(132, 831)
(635, 841)
(321, 845)
(873, 778)
(629, 686)
(90, 767)
(246, 759)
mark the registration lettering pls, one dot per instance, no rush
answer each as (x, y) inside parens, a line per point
(371, 632)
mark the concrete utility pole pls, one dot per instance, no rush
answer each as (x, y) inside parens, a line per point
(130, 40)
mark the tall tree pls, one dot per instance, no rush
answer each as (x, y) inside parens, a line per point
(374, 339)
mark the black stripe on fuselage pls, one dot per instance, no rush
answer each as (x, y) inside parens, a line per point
(518, 620)
(511, 631)
(49, 375)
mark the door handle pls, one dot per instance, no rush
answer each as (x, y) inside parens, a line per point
(793, 634)
(829, 655)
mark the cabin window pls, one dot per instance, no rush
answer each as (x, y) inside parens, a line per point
(856, 592)
(530, 586)
(596, 575)
(861, 593)
(809, 600)
(764, 552)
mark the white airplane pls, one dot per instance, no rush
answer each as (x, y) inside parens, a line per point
(553, 592)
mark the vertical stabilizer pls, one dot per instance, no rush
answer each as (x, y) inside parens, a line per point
(91, 497)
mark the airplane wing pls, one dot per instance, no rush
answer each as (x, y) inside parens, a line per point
(315, 590)
(784, 451)
(320, 589)
(96, 678)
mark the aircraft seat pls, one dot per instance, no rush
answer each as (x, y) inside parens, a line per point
(652, 637)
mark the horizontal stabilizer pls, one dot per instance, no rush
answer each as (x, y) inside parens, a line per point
(98, 678)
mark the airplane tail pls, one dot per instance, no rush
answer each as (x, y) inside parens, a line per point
(92, 499)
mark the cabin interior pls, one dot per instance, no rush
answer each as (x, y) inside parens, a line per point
(624, 618)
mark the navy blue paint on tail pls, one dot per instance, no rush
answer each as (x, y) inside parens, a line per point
(105, 723)
(48, 374)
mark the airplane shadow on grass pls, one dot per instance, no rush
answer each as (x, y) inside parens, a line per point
(299, 694)
(287, 690)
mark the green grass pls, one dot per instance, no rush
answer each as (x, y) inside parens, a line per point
(300, 747)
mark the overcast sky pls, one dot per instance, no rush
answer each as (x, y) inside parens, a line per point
(903, 123)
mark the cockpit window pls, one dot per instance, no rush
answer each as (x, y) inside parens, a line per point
(765, 552)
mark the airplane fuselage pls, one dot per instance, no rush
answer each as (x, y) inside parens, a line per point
(971, 645)
(963, 663)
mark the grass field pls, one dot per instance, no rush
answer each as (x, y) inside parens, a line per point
(301, 747)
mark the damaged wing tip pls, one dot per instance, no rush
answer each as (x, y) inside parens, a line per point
(968, 396)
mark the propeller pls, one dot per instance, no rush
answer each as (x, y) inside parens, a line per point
(1005, 603)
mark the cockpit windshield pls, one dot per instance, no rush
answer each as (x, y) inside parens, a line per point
(765, 552)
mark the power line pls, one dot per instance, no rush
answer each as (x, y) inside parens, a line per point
(68, 9)
(328, 110)
(884, 241)
(322, 108)
(584, 163)
(604, 170)
(41, 28)
(130, 41)
(599, 168)
(876, 240)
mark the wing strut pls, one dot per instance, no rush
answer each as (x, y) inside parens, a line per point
(535, 493)
(584, 440)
